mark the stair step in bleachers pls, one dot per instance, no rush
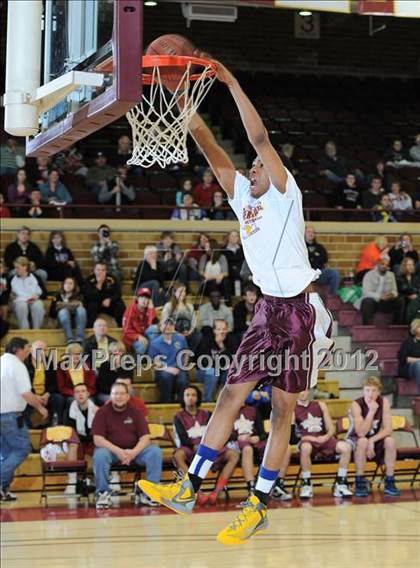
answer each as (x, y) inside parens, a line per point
(52, 337)
(388, 367)
(349, 379)
(373, 333)
(385, 349)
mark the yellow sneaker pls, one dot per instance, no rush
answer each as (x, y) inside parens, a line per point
(253, 519)
(178, 496)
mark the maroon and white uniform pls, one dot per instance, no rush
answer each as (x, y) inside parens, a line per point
(310, 422)
(249, 422)
(188, 431)
(352, 436)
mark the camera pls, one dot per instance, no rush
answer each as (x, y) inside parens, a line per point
(105, 233)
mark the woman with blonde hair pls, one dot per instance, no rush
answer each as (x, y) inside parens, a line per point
(71, 372)
(27, 292)
(183, 315)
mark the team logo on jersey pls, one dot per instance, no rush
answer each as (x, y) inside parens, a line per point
(243, 426)
(196, 431)
(250, 215)
(313, 424)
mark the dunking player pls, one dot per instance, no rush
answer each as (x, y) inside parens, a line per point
(290, 316)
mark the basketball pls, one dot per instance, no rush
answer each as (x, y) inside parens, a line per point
(171, 44)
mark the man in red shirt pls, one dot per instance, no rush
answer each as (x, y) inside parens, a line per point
(203, 192)
(121, 435)
(137, 319)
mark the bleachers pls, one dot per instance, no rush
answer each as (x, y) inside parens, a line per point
(343, 249)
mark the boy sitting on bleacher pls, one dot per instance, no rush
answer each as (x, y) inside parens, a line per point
(316, 430)
(370, 434)
(189, 426)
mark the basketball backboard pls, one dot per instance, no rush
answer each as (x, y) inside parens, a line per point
(73, 90)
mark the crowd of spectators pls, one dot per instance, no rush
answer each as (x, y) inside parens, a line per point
(108, 180)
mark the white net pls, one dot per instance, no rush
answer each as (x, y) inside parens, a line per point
(160, 124)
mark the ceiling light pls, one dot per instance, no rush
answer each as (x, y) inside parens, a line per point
(305, 13)
(150, 3)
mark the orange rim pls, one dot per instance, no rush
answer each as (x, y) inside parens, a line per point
(151, 61)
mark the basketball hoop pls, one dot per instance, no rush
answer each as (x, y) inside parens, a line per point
(160, 121)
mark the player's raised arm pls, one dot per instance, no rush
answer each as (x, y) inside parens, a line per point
(255, 129)
(219, 161)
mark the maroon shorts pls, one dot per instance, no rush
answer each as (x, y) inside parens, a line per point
(327, 450)
(379, 449)
(218, 463)
(285, 344)
(259, 448)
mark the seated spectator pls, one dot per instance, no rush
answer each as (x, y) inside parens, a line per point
(35, 211)
(234, 254)
(150, 274)
(194, 255)
(18, 193)
(214, 310)
(243, 312)
(214, 270)
(332, 166)
(100, 173)
(380, 293)
(189, 210)
(117, 190)
(218, 211)
(27, 292)
(189, 427)
(408, 282)
(137, 321)
(44, 382)
(186, 187)
(371, 436)
(403, 248)
(400, 200)
(71, 372)
(134, 399)
(383, 213)
(204, 191)
(409, 355)
(38, 171)
(171, 380)
(379, 171)
(110, 371)
(214, 354)
(261, 398)
(396, 156)
(414, 151)
(171, 258)
(4, 292)
(121, 436)
(370, 197)
(72, 163)
(54, 192)
(23, 246)
(316, 431)
(371, 255)
(348, 196)
(286, 154)
(318, 258)
(60, 262)
(123, 153)
(103, 295)
(67, 308)
(4, 211)
(79, 416)
(12, 157)
(99, 343)
(248, 433)
(183, 314)
(106, 250)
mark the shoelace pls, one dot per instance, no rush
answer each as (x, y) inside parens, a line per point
(242, 517)
(177, 477)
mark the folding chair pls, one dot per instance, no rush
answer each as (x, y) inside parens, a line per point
(58, 468)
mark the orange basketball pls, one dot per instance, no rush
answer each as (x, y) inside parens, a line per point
(171, 44)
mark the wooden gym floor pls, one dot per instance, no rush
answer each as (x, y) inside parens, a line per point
(326, 533)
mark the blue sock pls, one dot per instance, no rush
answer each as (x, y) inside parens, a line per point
(203, 460)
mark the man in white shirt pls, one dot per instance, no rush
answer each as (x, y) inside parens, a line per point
(15, 394)
(290, 319)
(27, 291)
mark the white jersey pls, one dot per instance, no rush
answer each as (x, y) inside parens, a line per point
(272, 231)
